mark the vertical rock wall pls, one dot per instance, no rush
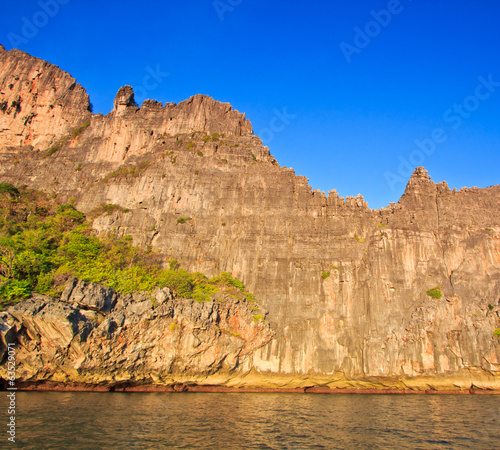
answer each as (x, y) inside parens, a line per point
(346, 286)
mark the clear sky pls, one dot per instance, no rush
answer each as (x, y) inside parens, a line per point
(351, 94)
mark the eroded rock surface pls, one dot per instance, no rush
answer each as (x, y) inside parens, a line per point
(345, 286)
(136, 339)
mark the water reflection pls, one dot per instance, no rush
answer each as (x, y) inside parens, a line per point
(254, 421)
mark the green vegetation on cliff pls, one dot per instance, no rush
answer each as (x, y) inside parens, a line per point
(43, 243)
(435, 292)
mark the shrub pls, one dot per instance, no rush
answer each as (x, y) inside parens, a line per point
(325, 275)
(79, 130)
(9, 189)
(173, 264)
(496, 333)
(254, 157)
(190, 145)
(183, 219)
(106, 208)
(358, 238)
(199, 153)
(52, 150)
(15, 290)
(128, 171)
(226, 279)
(435, 292)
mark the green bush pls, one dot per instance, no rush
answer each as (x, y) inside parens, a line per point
(52, 150)
(226, 279)
(496, 333)
(107, 209)
(128, 171)
(325, 274)
(15, 290)
(79, 130)
(183, 219)
(435, 292)
(9, 190)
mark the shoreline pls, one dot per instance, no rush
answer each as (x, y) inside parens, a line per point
(187, 388)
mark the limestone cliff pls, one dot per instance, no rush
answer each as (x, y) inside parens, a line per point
(346, 286)
(92, 336)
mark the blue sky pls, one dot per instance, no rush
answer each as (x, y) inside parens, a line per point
(340, 90)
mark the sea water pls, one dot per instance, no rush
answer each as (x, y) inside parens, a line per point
(81, 420)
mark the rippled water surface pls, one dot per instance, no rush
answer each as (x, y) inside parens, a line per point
(248, 421)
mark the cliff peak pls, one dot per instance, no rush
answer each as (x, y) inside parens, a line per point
(42, 102)
(420, 173)
(124, 98)
(419, 177)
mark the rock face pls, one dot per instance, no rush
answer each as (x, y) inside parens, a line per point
(346, 287)
(93, 336)
(38, 102)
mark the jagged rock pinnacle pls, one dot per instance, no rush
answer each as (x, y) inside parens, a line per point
(421, 173)
(124, 98)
